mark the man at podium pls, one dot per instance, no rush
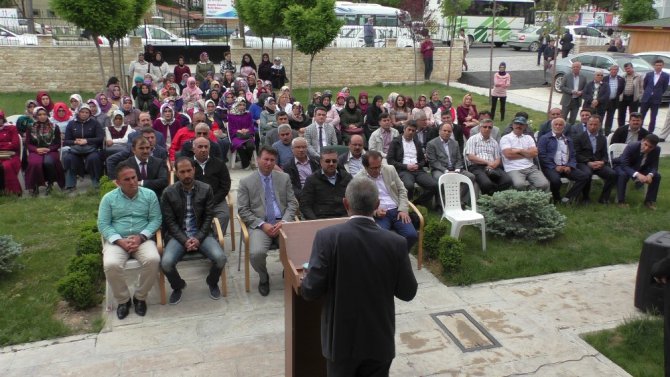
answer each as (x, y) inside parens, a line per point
(359, 268)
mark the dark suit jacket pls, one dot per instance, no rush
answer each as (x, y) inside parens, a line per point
(292, 170)
(547, 146)
(631, 160)
(603, 95)
(322, 200)
(584, 150)
(359, 285)
(115, 159)
(567, 87)
(621, 83)
(621, 134)
(187, 150)
(654, 93)
(216, 175)
(160, 139)
(437, 156)
(157, 175)
(396, 153)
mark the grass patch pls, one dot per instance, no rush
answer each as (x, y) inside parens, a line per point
(46, 227)
(636, 346)
(15, 103)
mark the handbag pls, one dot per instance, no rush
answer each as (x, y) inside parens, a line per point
(82, 149)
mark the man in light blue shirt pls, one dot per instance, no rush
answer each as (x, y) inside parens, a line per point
(127, 219)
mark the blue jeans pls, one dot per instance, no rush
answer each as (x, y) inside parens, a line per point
(391, 222)
(174, 252)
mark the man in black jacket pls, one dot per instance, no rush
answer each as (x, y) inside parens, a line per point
(214, 172)
(324, 190)
(301, 166)
(188, 210)
(406, 155)
(151, 171)
(630, 133)
(616, 84)
(592, 158)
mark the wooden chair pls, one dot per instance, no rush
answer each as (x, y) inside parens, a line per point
(419, 245)
(133, 265)
(194, 256)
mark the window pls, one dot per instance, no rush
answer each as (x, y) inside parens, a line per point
(603, 62)
(586, 60)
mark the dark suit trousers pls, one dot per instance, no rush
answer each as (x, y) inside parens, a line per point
(622, 181)
(611, 107)
(423, 179)
(490, 184)
(627, 103)
(577, 176)
(646, 106)
(607, 174)
(572, 109)
(359, 368)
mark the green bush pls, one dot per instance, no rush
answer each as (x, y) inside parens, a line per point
(432, 232)
(89, 264)
(89, 226)
(525, 215)
(88, 243)
(78, 290)
(106, 185)
(9, 251)
(450, 253)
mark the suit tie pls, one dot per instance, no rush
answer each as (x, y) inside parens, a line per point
(320, 138)
(269, 201)
(643, 160)
(143, 170)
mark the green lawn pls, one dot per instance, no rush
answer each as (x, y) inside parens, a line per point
(636, 346)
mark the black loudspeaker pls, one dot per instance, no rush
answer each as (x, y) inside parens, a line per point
(648, 293)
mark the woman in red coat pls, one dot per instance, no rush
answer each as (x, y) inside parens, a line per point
(10, 157)
(43, 140)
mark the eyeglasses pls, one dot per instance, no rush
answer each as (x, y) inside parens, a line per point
(330, 161)
(485, 127)
(202, 133)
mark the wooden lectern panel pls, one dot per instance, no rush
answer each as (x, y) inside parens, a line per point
(302, 320)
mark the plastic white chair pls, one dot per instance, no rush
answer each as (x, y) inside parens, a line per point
(13, 118)
(614, 151)
(449, 185)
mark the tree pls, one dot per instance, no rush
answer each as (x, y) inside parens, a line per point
(262, 16)
(637, 11)
(450, 10)
(312, 29)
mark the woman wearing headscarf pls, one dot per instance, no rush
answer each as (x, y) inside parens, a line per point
(181, 68)
(421, 106)
(10, 158)
(447, 106)
(278, 73)
(390, 101)
(241, 88)
(247, 66)
(158, 67)
(268, 117)
(434, 102)
(114, 95)
(224, 105)
(168, 123)
(332, 115)
(43, 140)
(131, 116)
(351, 120)
(26, 120)
(85, 137)
(340, 102)
(363, 102)
(191, 94)
(297, 117)
(116, 134)
(146, 100)
(106, 106)
(75, 103)
(61, 116)
(227, 64)
(265, 68)
(98, 114)
(214, 85)
(372, 118)
(241, 128)
(44, 99)
(467, 115)
(203, 66)
(501, 81)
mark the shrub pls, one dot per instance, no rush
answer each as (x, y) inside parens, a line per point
(450, 253)
(78, 290)
(88, 243)
(89, 264)
(89, 226)
(521, 214)
(432, 233)
(106, 185)
(9, 251)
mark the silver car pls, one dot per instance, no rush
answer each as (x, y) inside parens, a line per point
(592, 61)
(527, 38)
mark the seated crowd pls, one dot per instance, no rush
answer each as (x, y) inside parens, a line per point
(305, 158)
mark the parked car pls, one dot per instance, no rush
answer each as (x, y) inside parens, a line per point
(159, 36)
(211, 31)
(652, 56)
(252, 41)
(591, 61)
(10, 38)
(527, 38)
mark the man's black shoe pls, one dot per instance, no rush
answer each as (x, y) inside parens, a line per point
(140, 307)
(123, 309)
(175, 297)
(214, 292)
(264, 287)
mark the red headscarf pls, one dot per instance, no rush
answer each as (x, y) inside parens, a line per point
(39, 96)
(58, 106)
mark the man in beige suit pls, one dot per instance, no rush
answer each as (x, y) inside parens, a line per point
(392, 212)
(265, 201)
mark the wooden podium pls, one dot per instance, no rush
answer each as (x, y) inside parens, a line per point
(302, 318)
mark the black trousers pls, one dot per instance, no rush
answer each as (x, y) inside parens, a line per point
(359, 368)
(626, 103)
(494, 102)
(611, 107)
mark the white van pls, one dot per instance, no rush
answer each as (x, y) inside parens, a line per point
(352, 36)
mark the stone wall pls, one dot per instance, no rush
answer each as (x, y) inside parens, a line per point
(76, 68)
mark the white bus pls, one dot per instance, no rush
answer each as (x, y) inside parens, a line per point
(477, 20)
(358, 14)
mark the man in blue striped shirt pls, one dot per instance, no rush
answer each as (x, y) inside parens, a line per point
(127, 219)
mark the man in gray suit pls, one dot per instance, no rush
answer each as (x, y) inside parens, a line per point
(572, 89)
(319, 134)
(265, 201)
(444, 156)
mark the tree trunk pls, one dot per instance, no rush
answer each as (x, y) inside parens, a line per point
(124, 82)
(493, 35)
(111, 47)
(553, 68)
(309, 85)
(291, 67)
(272, 47)
(102, 69)
(451, 48)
